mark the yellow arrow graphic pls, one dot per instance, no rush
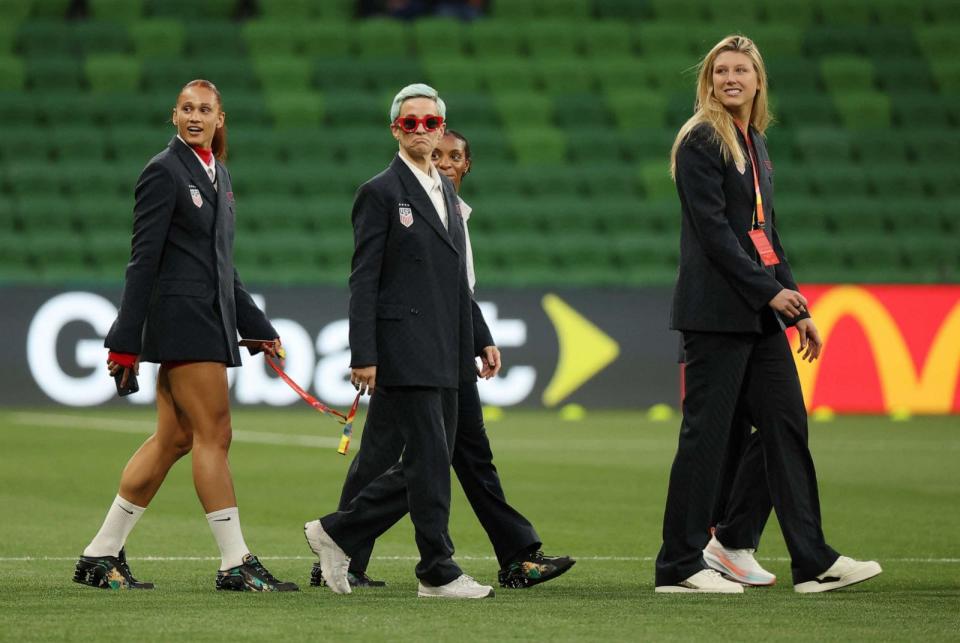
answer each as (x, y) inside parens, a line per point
(585, 350)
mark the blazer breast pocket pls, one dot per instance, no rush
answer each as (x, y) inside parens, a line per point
(185, 288)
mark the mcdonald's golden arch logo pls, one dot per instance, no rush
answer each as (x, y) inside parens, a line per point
(926, 387)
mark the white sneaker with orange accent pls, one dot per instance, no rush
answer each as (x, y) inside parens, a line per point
(737, 564)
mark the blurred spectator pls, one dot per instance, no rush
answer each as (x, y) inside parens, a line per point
(412, 9)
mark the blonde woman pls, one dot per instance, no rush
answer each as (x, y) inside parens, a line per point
(734, 297)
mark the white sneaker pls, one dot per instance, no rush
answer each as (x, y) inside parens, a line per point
(705, 581)
(844, 572)
(460, 587)
(334, 562)
(737, 564)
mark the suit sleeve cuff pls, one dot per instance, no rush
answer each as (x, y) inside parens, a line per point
(127, 360)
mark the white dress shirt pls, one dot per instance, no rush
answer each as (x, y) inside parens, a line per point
(431, 185)
(465, 211)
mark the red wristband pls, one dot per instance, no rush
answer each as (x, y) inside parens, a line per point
(127, 360)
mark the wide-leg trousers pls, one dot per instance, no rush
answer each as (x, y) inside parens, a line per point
(755, 373)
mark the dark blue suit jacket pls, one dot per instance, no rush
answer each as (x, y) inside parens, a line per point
(720, 286)
(411, 311)
(182, 298)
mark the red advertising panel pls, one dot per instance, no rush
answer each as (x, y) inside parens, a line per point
(886, 349)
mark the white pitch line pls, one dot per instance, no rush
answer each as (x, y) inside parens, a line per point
(637, 559)
(141, 427)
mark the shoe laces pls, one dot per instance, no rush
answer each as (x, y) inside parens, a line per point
(262, 571)
(465, 580)
(740, 553)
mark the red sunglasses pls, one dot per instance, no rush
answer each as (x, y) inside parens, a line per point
(409, 124)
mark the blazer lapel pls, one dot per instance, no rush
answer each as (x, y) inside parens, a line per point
(200, 178)
(419, 200)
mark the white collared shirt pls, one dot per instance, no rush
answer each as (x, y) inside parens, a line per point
(431, 185)
(210, 169)
(465, 211)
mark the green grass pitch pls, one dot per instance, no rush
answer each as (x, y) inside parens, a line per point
(594, 489)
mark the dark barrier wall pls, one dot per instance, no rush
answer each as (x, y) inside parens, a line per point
(598, 348)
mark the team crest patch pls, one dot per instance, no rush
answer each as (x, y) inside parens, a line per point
(195, 195)
(406, 214)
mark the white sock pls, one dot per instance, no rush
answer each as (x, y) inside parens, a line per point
(225, 525)
(118, 524)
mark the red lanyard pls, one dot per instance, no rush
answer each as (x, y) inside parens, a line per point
(345, 420)
(761, 222)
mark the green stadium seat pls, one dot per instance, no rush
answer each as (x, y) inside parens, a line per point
(582, 112)
(554, 39)
(839, 180)
(338, 74)
(27, 178)
(266, 144)
(266, 38)
(78, 144)
(932, 259)
(230, 75)
(776, 39)
(648, 144)
(45, 38)
(140, 109)
(42, 213)
(439, 37)
(607, 179)
(524, 109)
(673, 39)
(58, 74)
(863, 39)
(324, 38)
(792, 74)
(497, 39)
(97, 179)
(25, 143)
(101, 37)
(947, 74)
(58, 255)
(283, 73)
(135, 145)
(387, 75)
(509, 10)
(606, 40)
(899, 12)
(382, 38)
(617, 9)
(824, 144)
(538, 145)
(94, 215)
(639, 108)
(18, 107)
(871, 259)
(16, 11)
(157, 37)
(112, 72)
(655, 177)
(122, 10)
(847, 74)
(566, 75)
(941, 180)
(288, 9)
(12, 75)
(679, 109)
(357, 109)
(942, 11)
(469, 110)
(804, 110)
(295, 109)
(681, 10)
(353, 144)
(49, 9)
(587, 145)
(880, 146)
(210, 9)
(845, 12)
(505, 75)
(213, 38)
(8, 36)
(488, 146)
(453, 74)
(859, 110)
(934, 146)
(896, 180)
(931, 110)
(904, 75)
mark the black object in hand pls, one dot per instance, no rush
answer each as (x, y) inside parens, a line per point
(132, 385)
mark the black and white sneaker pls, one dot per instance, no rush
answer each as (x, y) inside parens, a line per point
(533, 569)
(844, 572)
(356, 579)
(107, 572)
(251, 576)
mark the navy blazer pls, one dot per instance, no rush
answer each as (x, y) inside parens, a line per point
(182, 298)
(721, 286)
(411, 311)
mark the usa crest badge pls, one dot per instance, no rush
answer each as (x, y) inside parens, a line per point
(406, 214)
(195, 196)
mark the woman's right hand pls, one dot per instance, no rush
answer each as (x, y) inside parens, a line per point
(115, 368)
(789, 303)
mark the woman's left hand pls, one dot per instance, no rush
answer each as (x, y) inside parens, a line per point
(809, 340)
(490, 362)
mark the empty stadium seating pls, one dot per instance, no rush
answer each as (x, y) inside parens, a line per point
(571, 107)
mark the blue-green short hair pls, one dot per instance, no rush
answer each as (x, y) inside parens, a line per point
(417, 90)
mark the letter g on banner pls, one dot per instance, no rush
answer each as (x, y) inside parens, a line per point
(45, 328)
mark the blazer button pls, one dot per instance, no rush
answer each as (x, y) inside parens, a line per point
(414, 311)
